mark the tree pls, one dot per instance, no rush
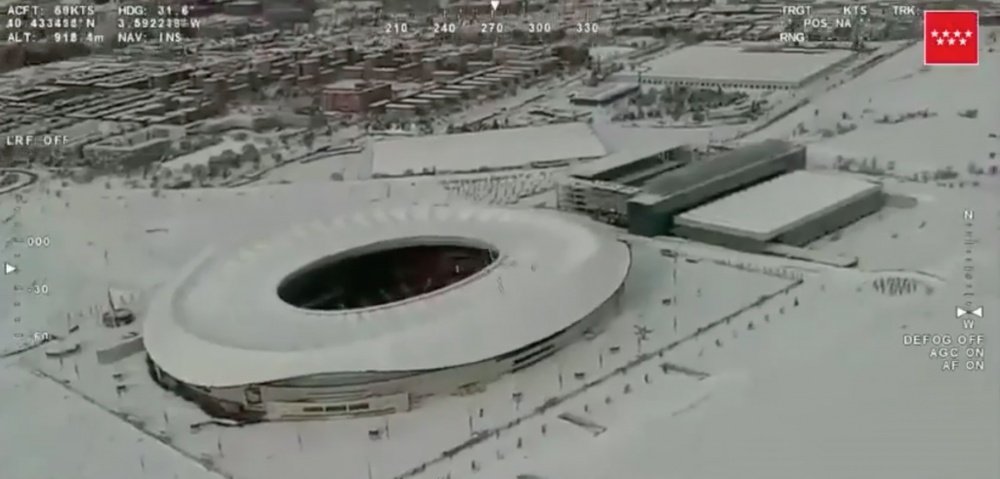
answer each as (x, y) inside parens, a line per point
(200, 173)
(308, 138)
(317, 119)
(250, 154)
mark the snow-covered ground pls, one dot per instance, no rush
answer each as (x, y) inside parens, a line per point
(829, 393)
(810, 379)
(202, 156)
(819, 354)
(898, 86)
(147, 238)
(49, 432)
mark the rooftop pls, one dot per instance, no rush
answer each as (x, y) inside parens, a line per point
(614, 165)
(699, 172)
(769, 209)
(512, 147)
(724, 62)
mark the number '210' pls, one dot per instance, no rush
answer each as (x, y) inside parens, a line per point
(392, 28)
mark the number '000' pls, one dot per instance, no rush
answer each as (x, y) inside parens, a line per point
(38, 241)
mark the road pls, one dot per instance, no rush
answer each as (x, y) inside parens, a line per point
(29, 178)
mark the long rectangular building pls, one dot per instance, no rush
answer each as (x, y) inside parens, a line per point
(699, 182)
(792, 209)
(545, 145)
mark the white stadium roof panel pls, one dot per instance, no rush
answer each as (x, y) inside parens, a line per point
(774, 207)
(510, 147)
(221, 322)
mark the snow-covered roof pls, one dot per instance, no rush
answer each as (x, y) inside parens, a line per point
(720, 62)
(221, 322)
(731, 163)
(779, 205)
(618, 159)
(493, 148)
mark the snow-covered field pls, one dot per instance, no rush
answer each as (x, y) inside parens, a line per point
(898, 86)
(202, 156)
(827, 391)
(147, 239)
(811, 379)
(49, 432)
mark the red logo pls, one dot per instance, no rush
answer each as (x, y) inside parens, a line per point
(951, 37)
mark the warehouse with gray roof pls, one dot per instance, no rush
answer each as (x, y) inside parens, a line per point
(792, 209)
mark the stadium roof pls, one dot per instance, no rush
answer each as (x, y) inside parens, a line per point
(509, 147)
(772, 208)
(221, 322)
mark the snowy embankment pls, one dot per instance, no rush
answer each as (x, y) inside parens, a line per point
(50, 433)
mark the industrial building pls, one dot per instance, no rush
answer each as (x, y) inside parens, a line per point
(536, 146)
(726, 66)
(602, 188)
(756, 198)
(675, 191)
(792, 209)
(604, 96)
(644, 190)
(354, 96)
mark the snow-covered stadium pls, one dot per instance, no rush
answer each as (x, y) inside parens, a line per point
(372, 313)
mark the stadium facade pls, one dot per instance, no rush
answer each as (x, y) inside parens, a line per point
(373, 313)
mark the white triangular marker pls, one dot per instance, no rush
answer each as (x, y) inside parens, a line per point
(495, 4)
(978, 312)
(959, 312)
(9, 268)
